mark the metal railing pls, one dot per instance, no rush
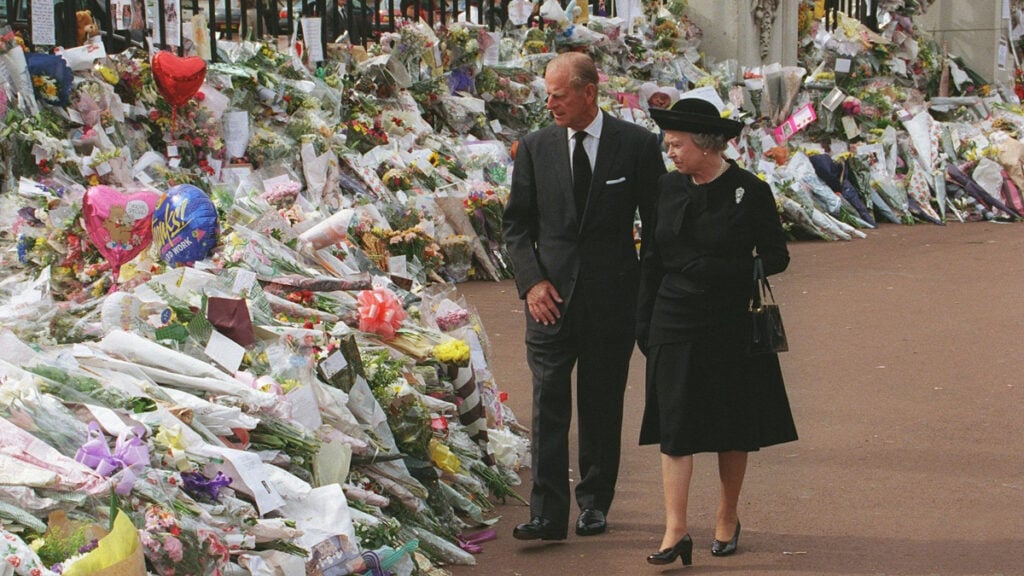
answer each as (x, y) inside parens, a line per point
(864, 10)
(364, 20)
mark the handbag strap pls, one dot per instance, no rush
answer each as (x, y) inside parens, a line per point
(762, 289)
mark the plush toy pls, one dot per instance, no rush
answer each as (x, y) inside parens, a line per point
(87, 26)
(119, 226)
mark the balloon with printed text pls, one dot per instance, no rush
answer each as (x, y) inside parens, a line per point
(185, 225)
(118, 224)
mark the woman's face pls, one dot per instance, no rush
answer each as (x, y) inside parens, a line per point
(683, 152)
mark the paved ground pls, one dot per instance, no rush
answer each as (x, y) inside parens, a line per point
(904, 374)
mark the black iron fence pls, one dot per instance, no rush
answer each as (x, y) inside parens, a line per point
(864, 10)
(363, 20)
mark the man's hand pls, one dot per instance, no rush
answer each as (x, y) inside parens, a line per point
(542, 300)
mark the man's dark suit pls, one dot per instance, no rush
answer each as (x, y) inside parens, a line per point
(595, 268)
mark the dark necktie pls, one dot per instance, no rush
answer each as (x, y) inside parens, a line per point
(581, 174)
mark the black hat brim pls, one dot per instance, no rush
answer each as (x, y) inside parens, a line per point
(696, 123)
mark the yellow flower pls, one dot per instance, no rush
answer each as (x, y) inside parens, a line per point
(171, 438)
(128, 271)
(452, 352)
(109, 75)
(707, 80)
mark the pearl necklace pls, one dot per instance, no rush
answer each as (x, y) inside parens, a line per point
(721, 170)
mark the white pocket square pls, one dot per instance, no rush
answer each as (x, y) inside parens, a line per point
(616, 181)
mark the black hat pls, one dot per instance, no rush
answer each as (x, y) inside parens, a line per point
(696, 116)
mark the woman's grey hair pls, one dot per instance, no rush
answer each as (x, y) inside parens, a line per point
(711, 142)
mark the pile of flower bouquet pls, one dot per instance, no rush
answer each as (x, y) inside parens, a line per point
(231, 337)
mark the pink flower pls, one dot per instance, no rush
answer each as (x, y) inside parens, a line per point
(14, 560)
(215, 547)
(174, 548)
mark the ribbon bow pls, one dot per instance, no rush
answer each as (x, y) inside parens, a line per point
(130, 455)
(380, 312)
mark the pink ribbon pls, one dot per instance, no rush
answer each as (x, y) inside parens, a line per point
(380, 312)
(129, 455)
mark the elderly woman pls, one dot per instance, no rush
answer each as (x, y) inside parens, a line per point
(705, 393)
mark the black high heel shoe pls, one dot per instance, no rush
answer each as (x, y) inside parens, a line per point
(683, 548)
(719, 548)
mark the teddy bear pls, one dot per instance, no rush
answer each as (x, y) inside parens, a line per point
(119, 226)
(87, 26)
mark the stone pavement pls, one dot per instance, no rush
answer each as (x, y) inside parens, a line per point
(905, 378)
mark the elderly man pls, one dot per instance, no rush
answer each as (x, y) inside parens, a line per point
(576, 188)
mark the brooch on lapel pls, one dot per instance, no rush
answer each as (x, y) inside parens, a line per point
(739, 195)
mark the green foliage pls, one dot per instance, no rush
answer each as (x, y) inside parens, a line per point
(381, 372)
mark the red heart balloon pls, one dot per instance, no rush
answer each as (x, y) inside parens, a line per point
(178, 79)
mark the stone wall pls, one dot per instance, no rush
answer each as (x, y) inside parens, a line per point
(972, 30)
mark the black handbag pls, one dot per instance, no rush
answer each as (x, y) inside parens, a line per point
(768, 336)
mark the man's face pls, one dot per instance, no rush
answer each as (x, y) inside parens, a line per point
(571, 107)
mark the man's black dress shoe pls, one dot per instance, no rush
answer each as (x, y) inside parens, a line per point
(590, 522)
(538, 528)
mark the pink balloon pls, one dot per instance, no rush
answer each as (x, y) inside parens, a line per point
(119, 225)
